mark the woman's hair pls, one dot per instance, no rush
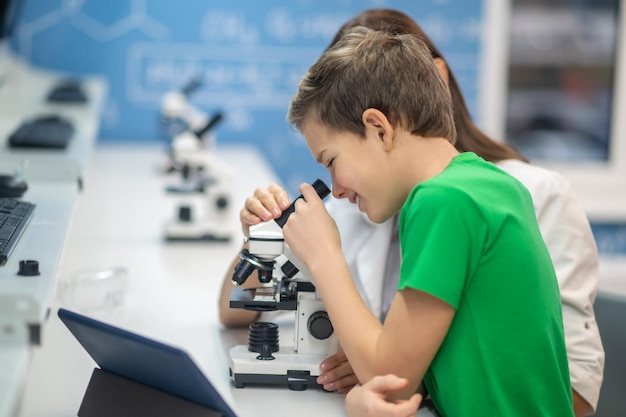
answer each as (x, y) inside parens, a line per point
(366, 68)
(469, 136)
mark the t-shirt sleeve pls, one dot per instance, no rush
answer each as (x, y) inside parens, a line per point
(442, 234)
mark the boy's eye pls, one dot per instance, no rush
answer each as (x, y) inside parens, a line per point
(330, 163)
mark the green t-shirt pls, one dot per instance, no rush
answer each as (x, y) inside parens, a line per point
(469, 237)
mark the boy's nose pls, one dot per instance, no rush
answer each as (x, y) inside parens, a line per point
(339, 192)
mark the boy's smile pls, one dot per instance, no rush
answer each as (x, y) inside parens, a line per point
(376, 171)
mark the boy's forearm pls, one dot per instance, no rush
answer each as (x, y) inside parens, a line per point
(405, 346)
(356, 327)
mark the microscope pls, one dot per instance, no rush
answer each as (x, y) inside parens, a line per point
(263, 361)
(201, 186)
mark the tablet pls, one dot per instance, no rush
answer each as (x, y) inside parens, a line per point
(147, 361)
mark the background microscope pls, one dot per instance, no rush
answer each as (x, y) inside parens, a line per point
(200, 186)
(263, 361)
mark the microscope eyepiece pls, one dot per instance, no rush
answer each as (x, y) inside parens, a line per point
(320, 188)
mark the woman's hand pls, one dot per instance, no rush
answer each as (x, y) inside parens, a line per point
(265, 204)
(337, 373)
(370, 399)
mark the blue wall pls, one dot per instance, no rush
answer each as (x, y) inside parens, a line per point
(249, 53)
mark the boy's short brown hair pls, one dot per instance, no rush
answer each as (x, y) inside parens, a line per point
(374, 69)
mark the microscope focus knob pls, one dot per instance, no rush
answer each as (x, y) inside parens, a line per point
(221, 203)
(319, 325)
(289, 269)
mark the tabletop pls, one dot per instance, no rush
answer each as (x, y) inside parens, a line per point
(172, 287)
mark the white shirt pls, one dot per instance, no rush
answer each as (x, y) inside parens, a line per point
(569, 239)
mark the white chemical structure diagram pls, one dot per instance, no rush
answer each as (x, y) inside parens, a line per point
(74, 12)
(249, 56)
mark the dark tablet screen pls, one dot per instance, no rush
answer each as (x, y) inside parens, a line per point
(144, 360)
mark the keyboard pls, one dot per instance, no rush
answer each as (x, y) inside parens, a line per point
(51, 132)
(15, 216)
(68, 91)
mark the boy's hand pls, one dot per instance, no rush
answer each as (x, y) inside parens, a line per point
(310, 232)
(337, 374)
(265, 204)
(370, 399)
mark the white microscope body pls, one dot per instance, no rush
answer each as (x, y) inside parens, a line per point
(263, 361)
(200, 185)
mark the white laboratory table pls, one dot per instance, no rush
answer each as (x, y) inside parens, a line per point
(172, 288)
(23, 97)
(53, 178)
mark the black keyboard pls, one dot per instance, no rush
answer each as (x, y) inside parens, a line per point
(48, 132)
(14, 217)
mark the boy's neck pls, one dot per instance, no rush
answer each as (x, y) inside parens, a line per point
(424, 157)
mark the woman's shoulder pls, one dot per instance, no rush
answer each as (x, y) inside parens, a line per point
(538, 180)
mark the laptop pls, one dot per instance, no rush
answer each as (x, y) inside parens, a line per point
(147, 361)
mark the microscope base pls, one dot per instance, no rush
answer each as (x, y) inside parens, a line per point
(296, 371)
(194, 233)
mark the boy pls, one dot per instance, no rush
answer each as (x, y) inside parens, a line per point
(477, 314)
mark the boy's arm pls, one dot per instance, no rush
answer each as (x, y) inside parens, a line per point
(414, 329)
(415, 325)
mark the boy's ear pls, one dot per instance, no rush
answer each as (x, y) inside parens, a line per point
(377, 125)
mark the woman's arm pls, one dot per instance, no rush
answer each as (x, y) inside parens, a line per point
(264, 205)
(566, 231)
(232, 317)
(569, 239)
